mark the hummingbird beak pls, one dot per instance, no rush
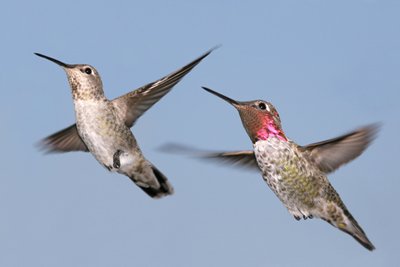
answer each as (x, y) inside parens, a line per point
(234, 103)
(62, 64)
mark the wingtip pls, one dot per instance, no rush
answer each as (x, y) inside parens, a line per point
(174, 148)
(376, 126)
(209, 51)
(215, 47)
(45, 147)
(171, 148)
(42, 146)
(372, 130)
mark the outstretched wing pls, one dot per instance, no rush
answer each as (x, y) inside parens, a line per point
(242, 159)
(331, 154)
(132, 105)
(65, 140)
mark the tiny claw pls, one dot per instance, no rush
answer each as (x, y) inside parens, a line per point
(116, 161)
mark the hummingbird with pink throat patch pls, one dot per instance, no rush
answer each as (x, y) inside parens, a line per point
(298, 174)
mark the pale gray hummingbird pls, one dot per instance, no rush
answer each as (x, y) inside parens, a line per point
(103, 126)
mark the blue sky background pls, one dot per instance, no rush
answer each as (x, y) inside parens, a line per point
(328, 67)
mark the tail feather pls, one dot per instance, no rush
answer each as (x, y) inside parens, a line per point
(359, 235)
(351, 227)
(156, 190)
(355, 230)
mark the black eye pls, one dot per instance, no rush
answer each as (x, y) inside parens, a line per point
(88, 70)
(262, 106)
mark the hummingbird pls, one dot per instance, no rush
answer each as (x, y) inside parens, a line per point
(103, 126)
(298, 174)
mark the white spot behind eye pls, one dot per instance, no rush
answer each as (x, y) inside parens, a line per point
(266, 104)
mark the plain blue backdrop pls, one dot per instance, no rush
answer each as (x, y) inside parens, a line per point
(327, 66)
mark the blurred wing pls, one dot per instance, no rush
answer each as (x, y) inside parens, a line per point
(65, 140)
(331, 154)
(132, 105)
(243, 159)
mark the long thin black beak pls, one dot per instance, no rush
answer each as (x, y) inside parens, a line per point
(62, 64)
(227, 99)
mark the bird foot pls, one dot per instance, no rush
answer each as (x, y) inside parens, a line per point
(116, 162)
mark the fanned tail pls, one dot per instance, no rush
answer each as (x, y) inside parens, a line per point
(157, 188)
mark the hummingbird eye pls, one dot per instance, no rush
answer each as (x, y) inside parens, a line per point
(88, 70)
(262, 106)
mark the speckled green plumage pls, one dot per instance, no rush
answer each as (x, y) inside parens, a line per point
(302, 187)
(297, 174)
